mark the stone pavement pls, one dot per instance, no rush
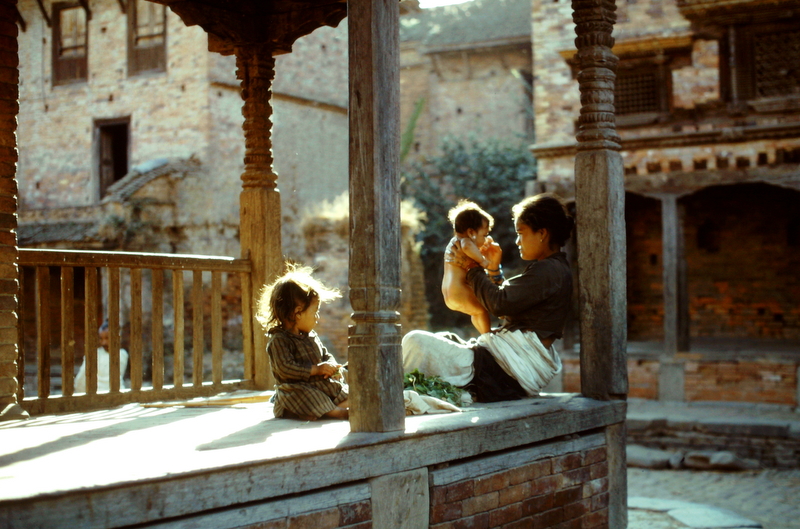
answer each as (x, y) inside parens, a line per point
(680, 499)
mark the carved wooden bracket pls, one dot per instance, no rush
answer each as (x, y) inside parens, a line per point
(594, 21)
(274, 23)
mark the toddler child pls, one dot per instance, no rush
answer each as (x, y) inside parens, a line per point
(309, 385)
(471, 226)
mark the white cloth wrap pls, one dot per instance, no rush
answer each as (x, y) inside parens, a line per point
(435, 355)
(523, 356)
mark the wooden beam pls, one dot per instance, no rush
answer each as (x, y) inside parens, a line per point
(374, 350)
(600, 208)
(676, 308)
(123, 6)
(20, 20)
(45, 15)
(85, 5)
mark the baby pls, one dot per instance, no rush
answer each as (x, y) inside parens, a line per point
(471, 225)
(309, 384)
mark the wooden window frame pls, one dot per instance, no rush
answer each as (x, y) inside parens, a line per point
(739, 85)
(68, 70)
(150, 58)
(658, 67)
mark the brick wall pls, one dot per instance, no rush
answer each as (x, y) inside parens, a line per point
(9, 78)
(558, 486)
(759, 381)
(644, 268)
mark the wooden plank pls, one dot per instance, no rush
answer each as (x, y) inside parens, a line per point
(355, 459)
(177, 306)
(43, 331)
(197, 328)
(78, 258)
(91, 302)
(113, 330)
(617, 476)
(216, 327)
(158, 328)
(23, 308)
(669, 260)
(374, 351)
(136, 352)
(247, 326)
(67, 331)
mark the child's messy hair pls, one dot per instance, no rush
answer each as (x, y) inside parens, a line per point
(296, 288)
(467, 215)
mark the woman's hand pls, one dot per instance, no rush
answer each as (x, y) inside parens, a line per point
(455, 256)
(492, 251)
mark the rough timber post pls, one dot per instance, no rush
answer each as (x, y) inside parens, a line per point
(374, 352)
(260, 202)
(676, 308)
(600, 207)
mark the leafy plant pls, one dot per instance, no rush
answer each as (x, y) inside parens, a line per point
(432, 386)
(491, 173)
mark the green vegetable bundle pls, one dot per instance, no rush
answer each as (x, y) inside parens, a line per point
(432, 386)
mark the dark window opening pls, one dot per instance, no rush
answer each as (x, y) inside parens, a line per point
(147, 37)
(708, 236)
(113, 154)
(70, 43)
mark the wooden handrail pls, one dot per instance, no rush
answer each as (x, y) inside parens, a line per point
(153, 261)
(43, 260)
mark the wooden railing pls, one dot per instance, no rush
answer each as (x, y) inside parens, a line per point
(50, 304)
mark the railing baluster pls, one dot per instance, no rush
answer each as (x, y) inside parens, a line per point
(43, 330)
(177, 305)
(158, 329)
(136, 329)
(216, 326)
(113, 329)
(197, 328)
(67, 331)
(90, 328)
(247, 326)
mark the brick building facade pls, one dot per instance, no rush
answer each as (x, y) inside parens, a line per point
(710, 146)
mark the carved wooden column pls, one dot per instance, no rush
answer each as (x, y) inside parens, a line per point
(676, 301)
(260, 202)
(374, 351)
(600, 208)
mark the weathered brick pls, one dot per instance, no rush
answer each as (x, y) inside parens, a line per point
(576, 476)
(279, 523)
(577, 509)
(459, 490)
(515, 493)
(595, 455)
(595, 519)
(324, 519)
(483, 503)
(539, 469)
(598, 470)
(570, 495)
(491, 483)
(355, 512)
(505, 515)
(546, 484)
(600, 501)
(445, 512)
(566, 462)
(479, 521)
(538, 504)
(549, 518)
(575, 523)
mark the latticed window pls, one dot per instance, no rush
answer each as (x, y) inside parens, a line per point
(636, 92)
(70, 43)
(147, 37)
(777, 63)
(766, 61)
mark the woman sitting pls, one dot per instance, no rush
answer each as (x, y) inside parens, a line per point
(518, 359)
